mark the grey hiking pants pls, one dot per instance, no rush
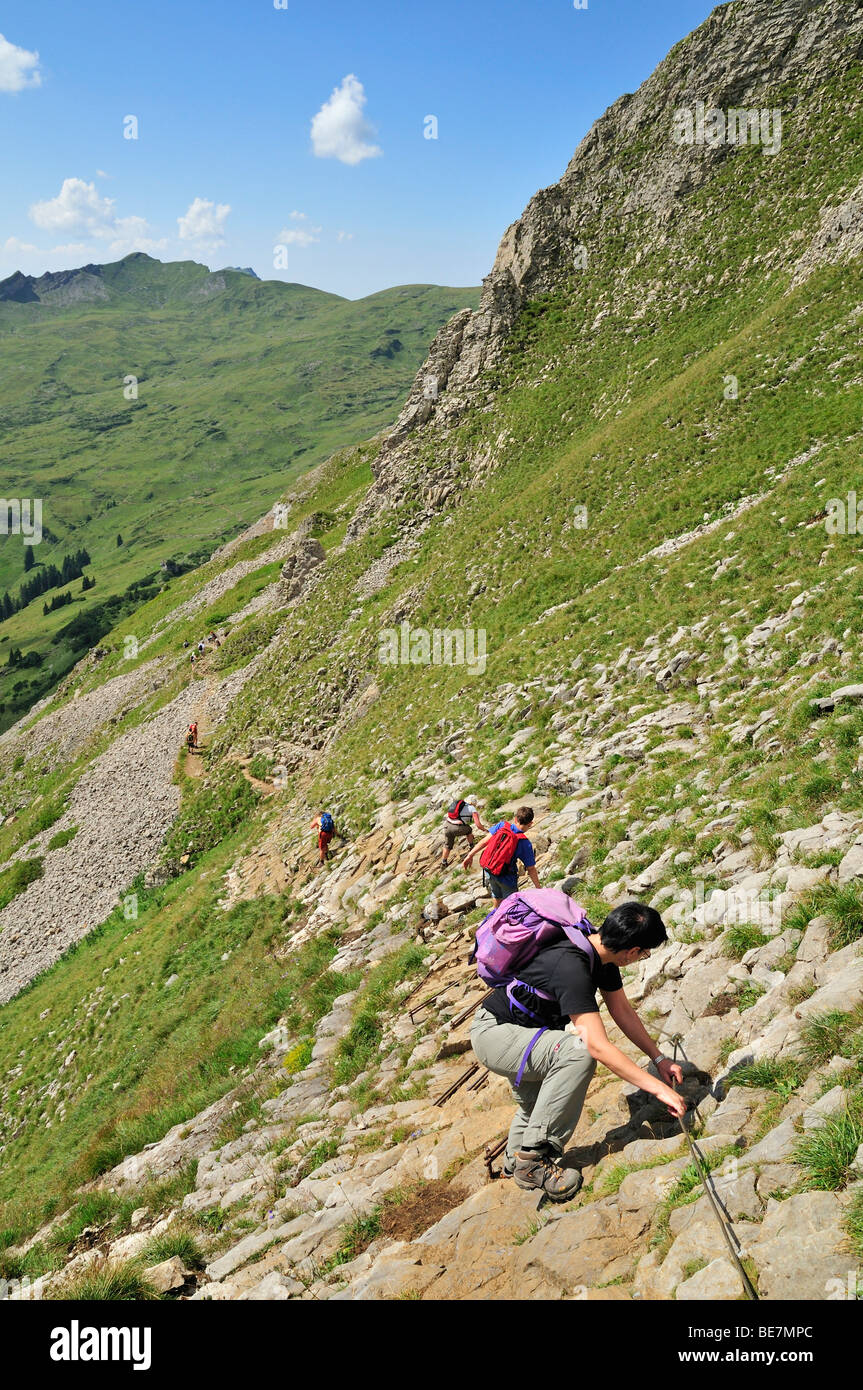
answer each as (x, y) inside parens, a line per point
(553, 1087)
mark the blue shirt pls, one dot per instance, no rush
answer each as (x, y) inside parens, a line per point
(523, 854)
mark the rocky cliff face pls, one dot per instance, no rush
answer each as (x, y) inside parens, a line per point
(59, 288)
(630, 192)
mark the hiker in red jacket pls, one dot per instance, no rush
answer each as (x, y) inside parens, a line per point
(325, 826)
(501, 851)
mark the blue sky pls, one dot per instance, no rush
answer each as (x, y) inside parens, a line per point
(242, 146)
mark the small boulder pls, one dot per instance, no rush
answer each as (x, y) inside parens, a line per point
(851, 866)
(718, 1280)
(847, 694)
(169, 1275)
(830, 1104)
(435, 910)
(801, 1250)
(273, 1288)
(776, 1146)
(458, 902)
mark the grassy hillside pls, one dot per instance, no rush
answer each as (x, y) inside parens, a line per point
(629, 418)
(242, 385)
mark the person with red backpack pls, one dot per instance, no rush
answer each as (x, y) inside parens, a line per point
(505, 847)
(460, 818)
(541, 1027)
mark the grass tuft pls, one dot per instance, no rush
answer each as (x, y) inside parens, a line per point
(109, 1283)
(827, 1153)
(742, 938)
(825, 1036)
(177, 1240)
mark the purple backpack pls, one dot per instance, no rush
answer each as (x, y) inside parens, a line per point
(512, 934)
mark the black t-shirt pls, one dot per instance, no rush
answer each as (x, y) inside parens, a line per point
(567, 973)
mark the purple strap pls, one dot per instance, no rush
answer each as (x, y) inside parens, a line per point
(522, 1008)
(580, 936)
(528, 1050)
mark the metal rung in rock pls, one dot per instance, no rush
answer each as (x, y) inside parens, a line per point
(457, 1084)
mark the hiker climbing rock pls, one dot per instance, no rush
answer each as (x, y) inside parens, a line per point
(459, 820)
(326, 828)
(505, 847)
(541, 1027)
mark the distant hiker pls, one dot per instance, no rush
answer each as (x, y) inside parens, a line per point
(458, 821)
(201, 646)
(193, 658)
(505, 847)
(541, 1027)
(326, 828)
(193, 735)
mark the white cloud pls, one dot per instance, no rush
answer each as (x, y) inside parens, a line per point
(133, 234)
(31, 260)
(204, 222)
(12, 246)
(345, 236)
(340, 130)
(294, 236)
(100, 174)
(304, 235)
(18, 67)
(77, 207)
(80, 249)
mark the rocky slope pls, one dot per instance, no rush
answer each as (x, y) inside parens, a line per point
(415, 1167)
(251, 1089)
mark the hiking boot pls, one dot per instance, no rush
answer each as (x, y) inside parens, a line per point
(537, 1169)
(507, 1167)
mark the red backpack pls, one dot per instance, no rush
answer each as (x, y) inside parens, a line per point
(500, 850)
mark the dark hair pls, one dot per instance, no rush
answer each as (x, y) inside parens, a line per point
(524, 815)
(632, 924)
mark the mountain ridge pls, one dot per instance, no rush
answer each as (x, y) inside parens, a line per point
(166, 412)
(90, 283)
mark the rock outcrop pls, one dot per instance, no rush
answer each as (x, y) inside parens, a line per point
(304, 557)
(724, 64)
